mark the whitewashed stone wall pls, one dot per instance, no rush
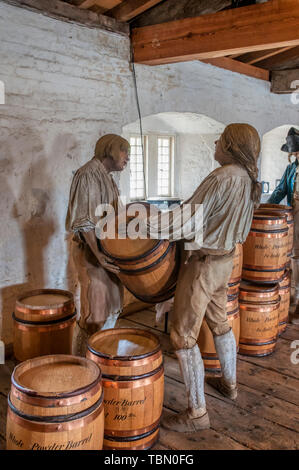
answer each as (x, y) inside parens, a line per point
(65, 86)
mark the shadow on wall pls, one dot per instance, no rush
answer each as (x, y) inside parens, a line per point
(30, 222)
(34, 182)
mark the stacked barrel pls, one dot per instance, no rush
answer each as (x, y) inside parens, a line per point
(205, 339)
(265, 287)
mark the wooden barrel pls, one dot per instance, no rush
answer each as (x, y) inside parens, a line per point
(205, 339)
(288, 211)
(55, 403)
(148, 267)
(133, 382)
(259, 310)
(237, 265)
(265, 249)
(285, 295)
(44, 321)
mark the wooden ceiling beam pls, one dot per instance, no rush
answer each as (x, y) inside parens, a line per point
(254, 57)
(128, 9)
(239, 67)
(279, 60)
(171, 10)
(258, 27)
(104, 4)
(65, 12)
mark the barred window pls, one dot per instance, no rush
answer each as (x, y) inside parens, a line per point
(136, 169)
(164, 166)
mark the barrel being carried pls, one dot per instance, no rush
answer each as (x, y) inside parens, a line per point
(266, 247)
(133, 383)
(55, 403)
(44, 321)
(148, 267)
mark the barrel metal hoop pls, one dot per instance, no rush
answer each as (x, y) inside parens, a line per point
(133, 258)
(129, 378)
(252, 343)
(247, 267)
(44, 323)
(132, 438)
(59, 396)
(56, 419)
(47, 402)
(132, 272)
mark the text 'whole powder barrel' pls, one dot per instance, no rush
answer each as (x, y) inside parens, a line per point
(55, 403)
(133, 381)
(266, 248)
(259, 316)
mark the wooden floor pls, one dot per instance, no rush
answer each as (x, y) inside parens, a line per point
(264, 416)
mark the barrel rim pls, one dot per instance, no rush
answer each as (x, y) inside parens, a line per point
(132, 438)
(43, 323)
(128, 378)
(56, 419)
(115, 331)
(278, 207)
(34, 292)
(272, 287)
(60, 358)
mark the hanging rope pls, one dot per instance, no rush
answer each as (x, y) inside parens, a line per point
(139, 115)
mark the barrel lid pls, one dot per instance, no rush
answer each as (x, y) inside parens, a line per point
(56, 376)
(44, 298)
(124, 344)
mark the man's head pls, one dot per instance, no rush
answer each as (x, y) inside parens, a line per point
(237, 143)
(240, 144)
(113, 151)
(292, 143)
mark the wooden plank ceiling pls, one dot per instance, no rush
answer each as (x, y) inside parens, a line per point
(252, 37)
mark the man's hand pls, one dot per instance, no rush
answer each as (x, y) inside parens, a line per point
(103, 260)
(107, 263)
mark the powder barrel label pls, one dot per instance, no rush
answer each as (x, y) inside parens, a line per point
(23, 437)
(127, 408)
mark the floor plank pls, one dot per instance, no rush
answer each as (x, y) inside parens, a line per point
(279, 361)
(3, 412)
(263, 405)
(201, 440)
(242, 426)
(291, 333)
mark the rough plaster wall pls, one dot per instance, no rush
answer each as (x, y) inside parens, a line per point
(65, 86)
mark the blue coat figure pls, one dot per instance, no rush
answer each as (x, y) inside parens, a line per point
(286, 185)
(287, 182)
(289, 186)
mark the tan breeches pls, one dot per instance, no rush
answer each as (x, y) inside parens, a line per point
(101, 292)
(201, 292)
